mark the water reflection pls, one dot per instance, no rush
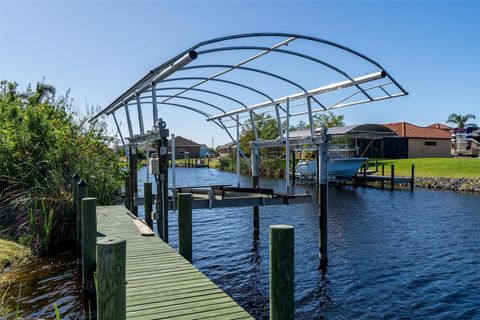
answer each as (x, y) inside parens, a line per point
(34, 288)
(391, 254)
(395, 254)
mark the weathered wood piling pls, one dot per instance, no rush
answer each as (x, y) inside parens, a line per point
(185, 226)
(133, 179)
(383, 174)
(392, 175)
(89, 242)
(412, 181)
(281, 272)
(76, 199)
(147, 190)
(111, 278)
(82, 192)
(128, 192)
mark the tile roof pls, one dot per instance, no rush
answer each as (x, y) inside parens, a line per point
(408, 130)
(439, 126)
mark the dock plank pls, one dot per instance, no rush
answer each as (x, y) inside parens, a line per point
(161, 284)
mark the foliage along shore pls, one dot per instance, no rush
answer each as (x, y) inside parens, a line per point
(43, 142)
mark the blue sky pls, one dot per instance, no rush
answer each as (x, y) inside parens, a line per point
(98, 49)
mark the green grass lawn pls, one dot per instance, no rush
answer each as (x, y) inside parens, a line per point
(432, 167)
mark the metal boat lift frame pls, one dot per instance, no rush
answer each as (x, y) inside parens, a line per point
(151, 88)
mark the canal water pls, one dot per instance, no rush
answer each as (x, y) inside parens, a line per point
(392, 255)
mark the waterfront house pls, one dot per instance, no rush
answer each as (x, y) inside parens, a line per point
(227, 149)
(417, 142)
(184, 146)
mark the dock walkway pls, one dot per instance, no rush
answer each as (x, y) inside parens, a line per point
(161, 284)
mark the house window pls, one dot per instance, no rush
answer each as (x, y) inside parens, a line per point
(431, 143)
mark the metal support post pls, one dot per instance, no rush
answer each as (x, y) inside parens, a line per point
(310, 117)
(147, 156)
(255, 184)
(293, 167)
(174, 166)
(287, 150)
(164, 189)
(238, 152)
(158, 204)
(323, 197)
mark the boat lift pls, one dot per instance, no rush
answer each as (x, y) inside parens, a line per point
(191, 82)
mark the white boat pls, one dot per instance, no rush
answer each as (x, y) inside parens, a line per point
(336, 167)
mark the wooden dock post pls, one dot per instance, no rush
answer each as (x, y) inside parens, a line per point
(147, 191)
(75, 180)
(412, 179)
(128, 191)
(133, 179)
(89, 243)
(281, 272)
(185, 226)
(323, 197)
(364, 182)
(376, 165)
(383, 174)
(255, 184)
(82, 192)
(392, 179)
(111, 276)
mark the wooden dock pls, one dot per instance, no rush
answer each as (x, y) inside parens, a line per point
(161, 284)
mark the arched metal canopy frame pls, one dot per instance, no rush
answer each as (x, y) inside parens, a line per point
(146, 87)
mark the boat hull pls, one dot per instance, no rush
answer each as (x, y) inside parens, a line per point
(339, 168)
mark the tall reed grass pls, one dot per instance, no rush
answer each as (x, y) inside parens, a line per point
(43, 142)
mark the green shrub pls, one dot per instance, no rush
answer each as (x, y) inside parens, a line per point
(272, 166)
(42, 144)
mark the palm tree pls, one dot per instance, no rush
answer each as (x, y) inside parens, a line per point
(461, 121)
